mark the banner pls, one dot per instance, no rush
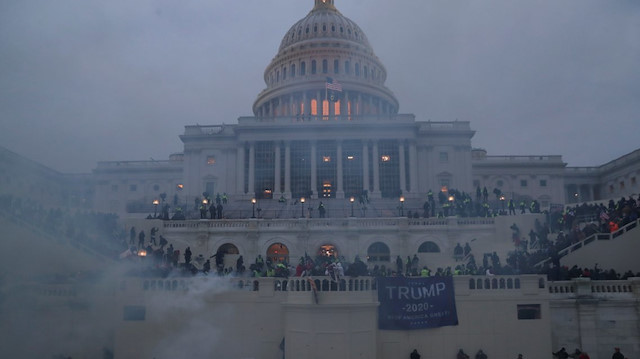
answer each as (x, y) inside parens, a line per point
(416, 303)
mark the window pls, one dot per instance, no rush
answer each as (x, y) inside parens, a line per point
(313, 67)
(378, 251)
(622, 185)
(611, 188)
(633, 181)
(529, 311)
(444, 157)
(357, 70)
(428, 247)
(543, 183)
(523, 183)
(134, 313)
(336, 66)
(293, 70)
(303, 68)
(133, 188)
(211, 160)
(347, 67)
(325, 66)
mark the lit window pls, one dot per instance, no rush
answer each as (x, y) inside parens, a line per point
(326, 158)
(211, 160)
(385, 158)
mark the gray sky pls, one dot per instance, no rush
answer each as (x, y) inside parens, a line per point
(83, 81)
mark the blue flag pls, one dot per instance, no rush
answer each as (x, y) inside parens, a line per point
(416, 303)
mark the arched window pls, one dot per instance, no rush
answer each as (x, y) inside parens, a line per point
(278, 76)
(303, 68)
(347, 67)
(278, 253)
(228, 248)
(313, 67)
(366, 72)
(293, 70)
(324, 27)
(378, 252)
(284, 73)
(325, 66)
(429, 247)
(336, 66)
(357, 70)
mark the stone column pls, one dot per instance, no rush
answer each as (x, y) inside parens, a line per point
(287, 169)
(402, 167)
(365, 167)
(277, 191)
(413, 168)
(240, 169)
(314, 170)
(252, 169)
(340, 174)
(376, 171)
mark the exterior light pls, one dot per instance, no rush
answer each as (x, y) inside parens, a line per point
(204, 201)
(352, 199)
(253, 209)
(302, 200)
(350, 157)
(155, 207)
(326, 158)
(180, 186)
(385, 158)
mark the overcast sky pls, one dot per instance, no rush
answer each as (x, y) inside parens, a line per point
(83, 81)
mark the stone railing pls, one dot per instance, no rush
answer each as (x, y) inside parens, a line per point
(303, 223)
(585, 287)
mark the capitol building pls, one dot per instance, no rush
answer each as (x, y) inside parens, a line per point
(326, 166)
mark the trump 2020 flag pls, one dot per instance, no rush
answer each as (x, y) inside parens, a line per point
(416, 303)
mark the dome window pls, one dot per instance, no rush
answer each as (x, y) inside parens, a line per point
(324, 28)
(307, 30)
(336, 66)
(341, 29)
(347, 67)
(333, 28)
(315, 28)
(349, 31)
(365, 71)
(313, 67)
(303, 68)
(277, 76)
(357, 70)
(325, 66)
(293, 70)
(299, 32)
(284, 73)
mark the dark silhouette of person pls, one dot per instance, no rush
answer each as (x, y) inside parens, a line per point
(152, 238)
(141, 239)
(132, 236)
(219, 209)
(414, 354)
(187, 256)
(561, 354)
(212, 211)
(462, 355)
(617, 354)
(481, 355)
(206, 267)
(321, 209)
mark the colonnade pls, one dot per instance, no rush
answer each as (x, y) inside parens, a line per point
(370, 157)
(319, 103)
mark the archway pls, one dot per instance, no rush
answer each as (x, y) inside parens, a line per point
(278, 253)
(428, 247)
(378, 252)
(229, 255)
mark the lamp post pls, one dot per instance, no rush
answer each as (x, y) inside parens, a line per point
(253, 210)
(155, 208)
(502, 202)
(401, 206)
(352, 199)
(451, 199)
(302, 200)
